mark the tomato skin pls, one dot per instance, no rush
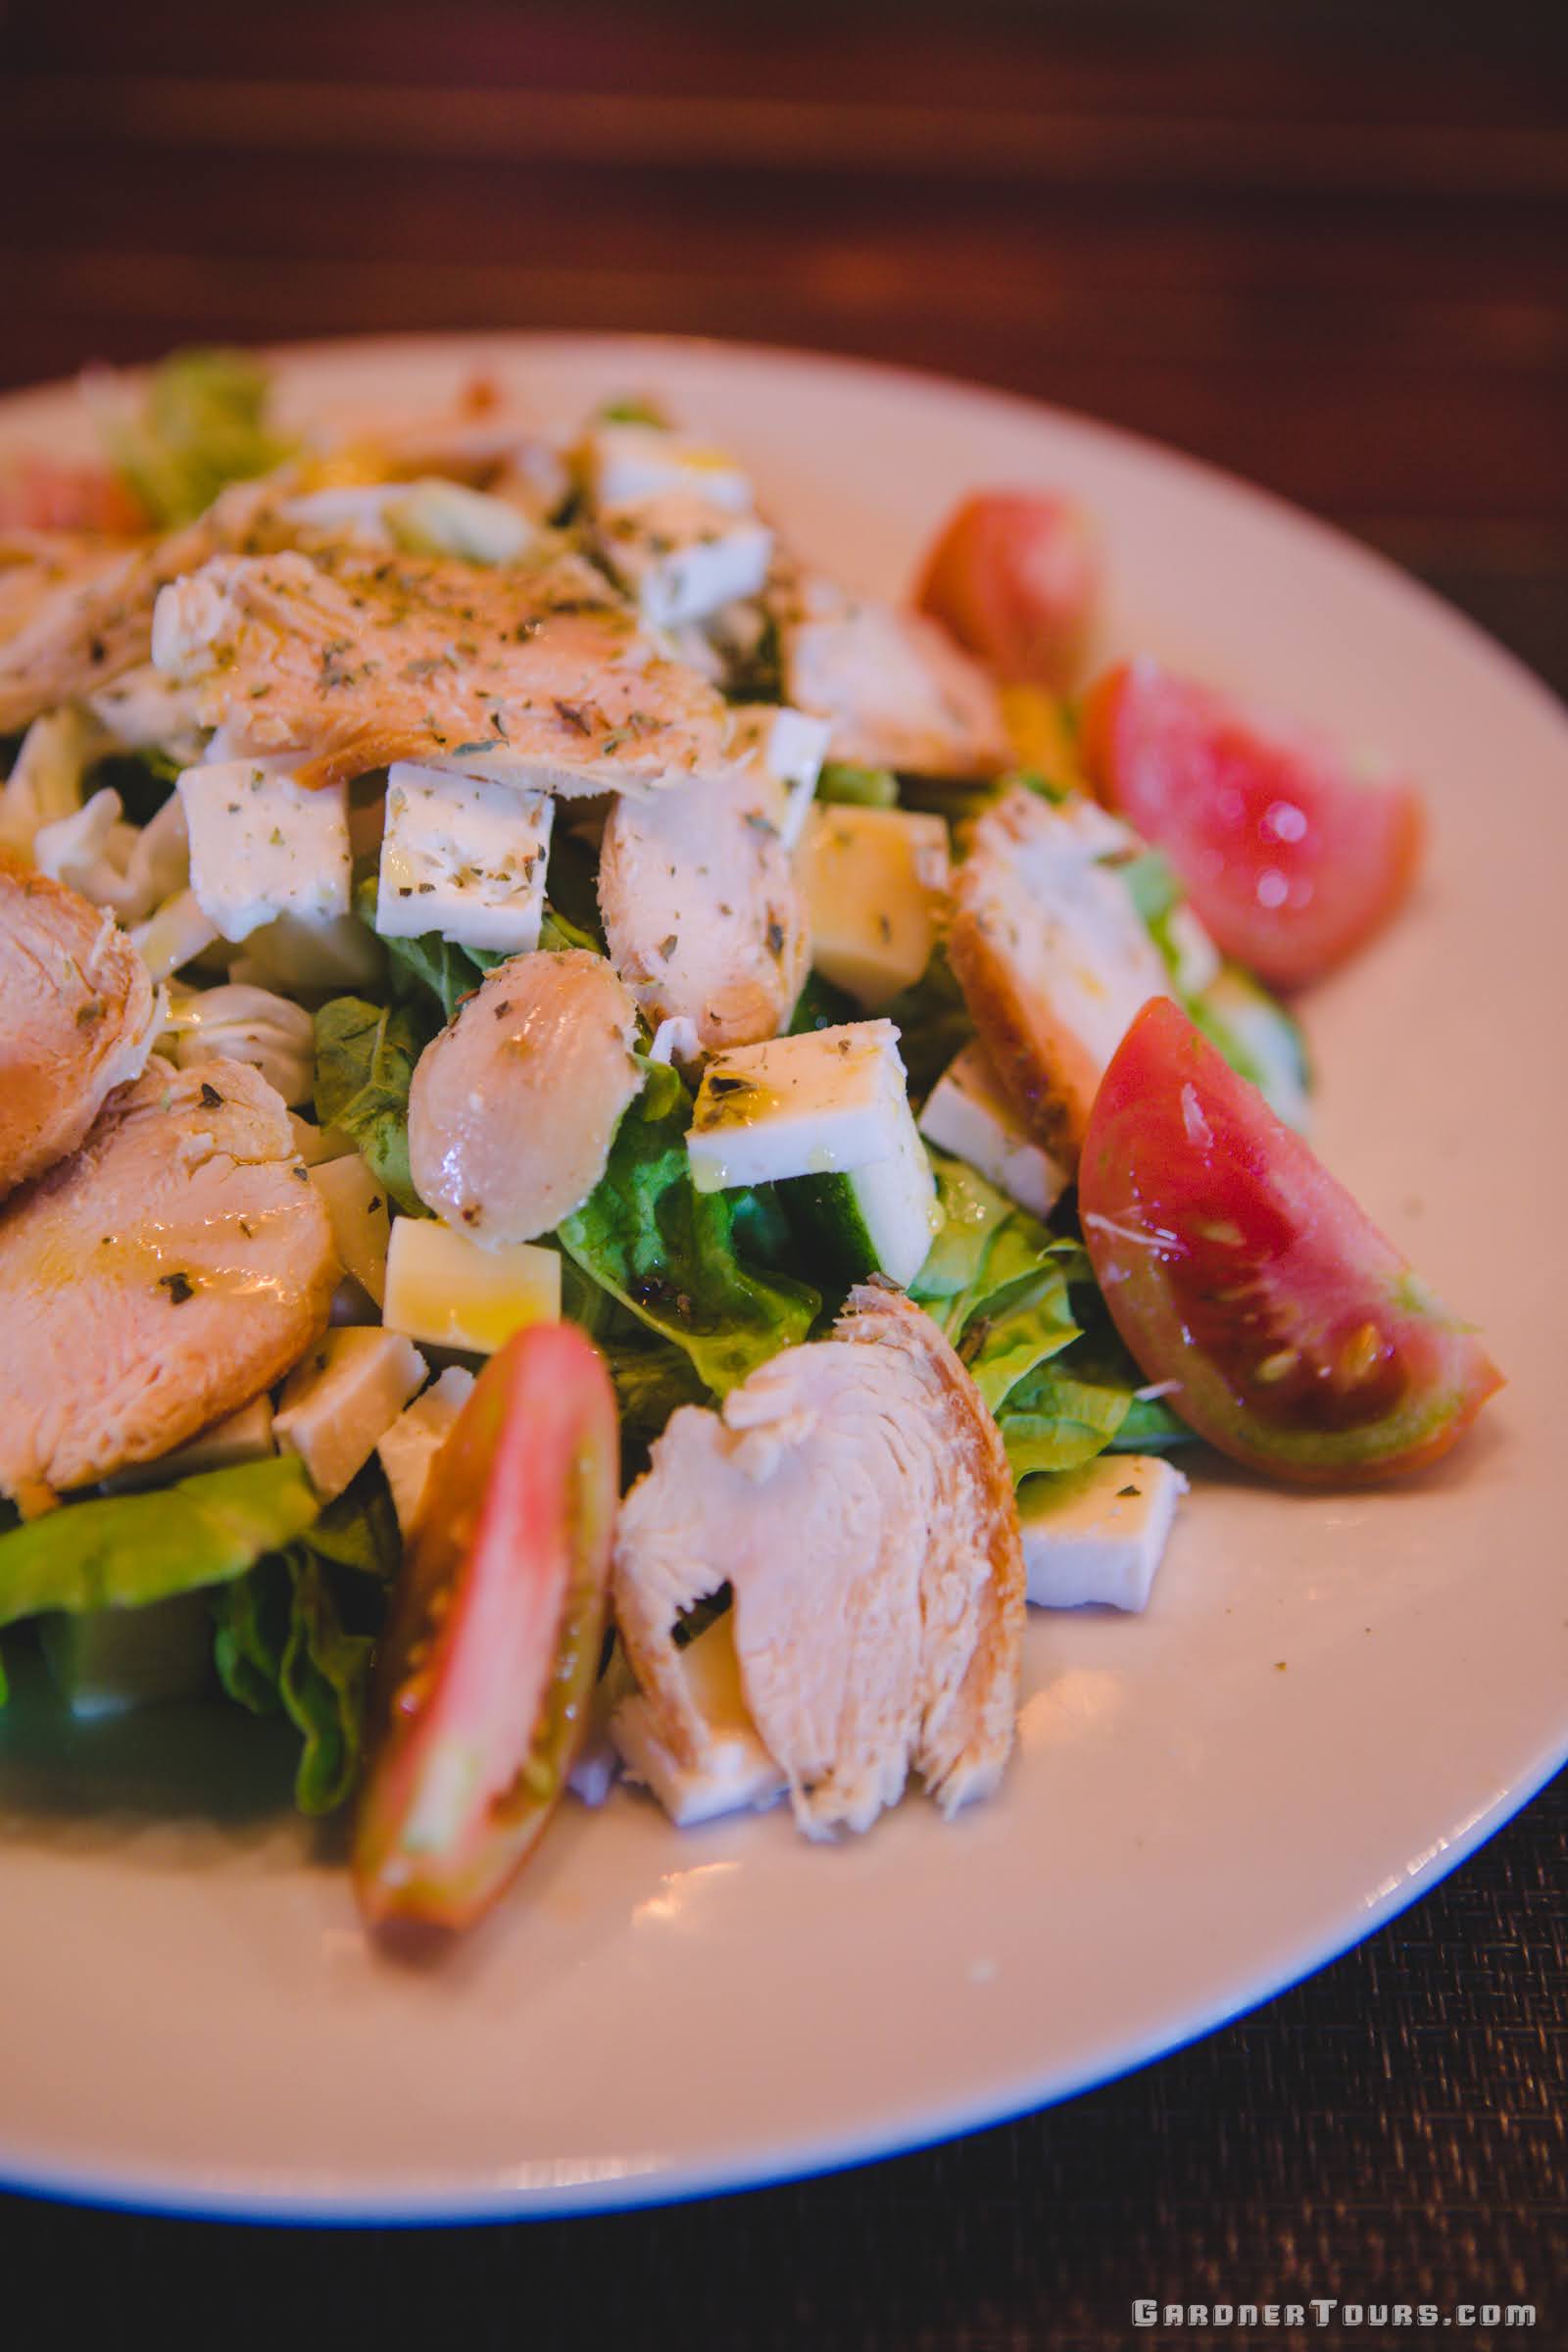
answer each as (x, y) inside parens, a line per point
(1290, 860)
(1235, 1265)
(39, 494)
(1014, 576)
(493, 1642)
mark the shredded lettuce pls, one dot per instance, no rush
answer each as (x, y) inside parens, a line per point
(202, 424)
(365, 1061)
(670, 1254)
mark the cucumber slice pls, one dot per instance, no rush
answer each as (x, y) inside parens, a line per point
(879, 1219)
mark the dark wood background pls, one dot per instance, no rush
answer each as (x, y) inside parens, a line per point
(1324, 244)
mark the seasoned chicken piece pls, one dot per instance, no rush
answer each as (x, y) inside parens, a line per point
(81, 614)
(1054, 961)
(514, 1105)
(168, 1272)
(535, 674)
(704, 917)
(856, 1496)
(77, 1017)
(897, 690)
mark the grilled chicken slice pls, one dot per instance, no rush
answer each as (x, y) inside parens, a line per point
(704, 917)
(168, 1272)
(899, 692)
(856, 1496)
(1054, 961)
(514, 1105)
(77, 1017)
(536, 674)
(77, 615)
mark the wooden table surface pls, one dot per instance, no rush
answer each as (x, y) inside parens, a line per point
(1325, 245)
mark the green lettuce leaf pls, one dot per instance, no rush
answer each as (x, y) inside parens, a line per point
(120, 1551)
(670, 1254)
(297, 1635)
(202, 424)
(365, 1060)
(858, 787)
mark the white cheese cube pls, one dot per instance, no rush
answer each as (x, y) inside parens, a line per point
(315, 1144)
(1098, 1534)
(737, 1772)
(790, 747)
(361, 1223)
(262, 846)
(808, 1106)
(342, 1398)
(967, 1113)
(409, 1449)
(874, 882)
(681, 556)
(462, 859)
(445, 1290)
(621, 463)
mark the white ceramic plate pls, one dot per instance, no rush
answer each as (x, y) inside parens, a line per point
(1328, 1703)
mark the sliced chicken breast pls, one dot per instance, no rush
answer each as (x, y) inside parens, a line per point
(77, 1017)
(514, 1105)
(856, 1496)
(535, 674)
(1054, 961)
(704, 917)
(899, 692)
(168, 1272)
(75, 616)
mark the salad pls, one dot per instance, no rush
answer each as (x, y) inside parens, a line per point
(613, 1154)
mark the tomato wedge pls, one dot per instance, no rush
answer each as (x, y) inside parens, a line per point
(39, 494)
(1015, 575)
(1290, 860)
(495, 1635)
(1237, 1268)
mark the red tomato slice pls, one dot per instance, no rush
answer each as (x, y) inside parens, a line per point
(38, 494)
(1289, 858)
(1016, 576)
(1236, 1266)
(493, 1647)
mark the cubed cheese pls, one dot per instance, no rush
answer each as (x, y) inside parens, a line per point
(315, 1144)
(620, 463)
(808, 1106)
(408, 1449)
(1098, 1534)
(464, 858)
(967, 1115)
(737, 1774)
(788, 745)
(262, 846)
(874, 881)
(361, 1224)
(444, 1289)
(342, 1398)
(681, 556)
